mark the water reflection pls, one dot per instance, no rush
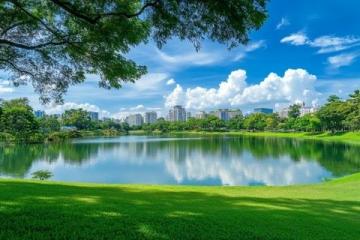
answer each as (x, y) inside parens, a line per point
(215, 160)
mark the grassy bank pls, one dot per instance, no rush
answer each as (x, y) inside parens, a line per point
(348, 137)
(51, 210)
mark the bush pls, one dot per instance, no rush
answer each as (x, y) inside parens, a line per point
(42, 174)
(63, 136)
(36, 138)
(6, 137)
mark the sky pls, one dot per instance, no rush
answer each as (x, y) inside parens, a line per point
(305, 51)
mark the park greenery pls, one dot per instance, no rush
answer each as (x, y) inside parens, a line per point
(54, 210)
(336, 115)
(18, 123)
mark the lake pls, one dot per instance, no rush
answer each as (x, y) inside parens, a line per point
(222, 160)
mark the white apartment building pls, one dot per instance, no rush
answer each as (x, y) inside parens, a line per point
(150, 117)
(177, 113)
(135, 120)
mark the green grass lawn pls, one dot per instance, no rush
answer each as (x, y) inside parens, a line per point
(52, 210)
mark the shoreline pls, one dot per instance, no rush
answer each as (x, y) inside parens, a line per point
(346, 137)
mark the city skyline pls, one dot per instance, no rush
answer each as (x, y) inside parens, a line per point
(179, 113)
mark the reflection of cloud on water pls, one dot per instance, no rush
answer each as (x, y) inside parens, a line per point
(185, 164)
(244, 170)
(166, 162)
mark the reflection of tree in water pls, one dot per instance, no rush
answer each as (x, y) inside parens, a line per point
(16, 160)
(78, 154)
(338, 158)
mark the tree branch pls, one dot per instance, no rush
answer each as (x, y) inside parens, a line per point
(150, 4)
(98, 16)
(16, 68)
(33, 47)
(6, 30)
(49, 29)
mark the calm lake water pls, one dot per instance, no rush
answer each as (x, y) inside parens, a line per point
(184, 160)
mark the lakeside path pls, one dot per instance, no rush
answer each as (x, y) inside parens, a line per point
(56, 210)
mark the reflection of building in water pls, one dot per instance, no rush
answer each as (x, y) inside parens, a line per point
(232, 162)
(228, 161)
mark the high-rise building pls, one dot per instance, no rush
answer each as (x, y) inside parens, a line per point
(135, 120)
(177, 113)
(39, 114)
(200, 115)
(283, 113)
(222, 114)
(94, 116)
(263, 110)
(150, 117)
(234, 112)
(188, 115)
(307, 110)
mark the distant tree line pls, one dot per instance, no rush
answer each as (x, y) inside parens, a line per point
(18, 123)
(336, 115)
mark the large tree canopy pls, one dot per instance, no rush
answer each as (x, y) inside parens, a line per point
(54, 43)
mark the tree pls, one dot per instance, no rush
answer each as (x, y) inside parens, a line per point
(42, 174)
(236, 122)
(294, 111)
(333, 114)
(54, 43)
(49, 124)
(18, 119)
(352, 120)
(333, 98)
(255, 121)
(272, 121)
(307, 123)
(78, 118)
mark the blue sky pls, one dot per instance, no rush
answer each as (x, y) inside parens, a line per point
(305, 51)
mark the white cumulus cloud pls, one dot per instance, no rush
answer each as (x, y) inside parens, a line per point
(295, 85)
(170, 82)
(141, 109)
